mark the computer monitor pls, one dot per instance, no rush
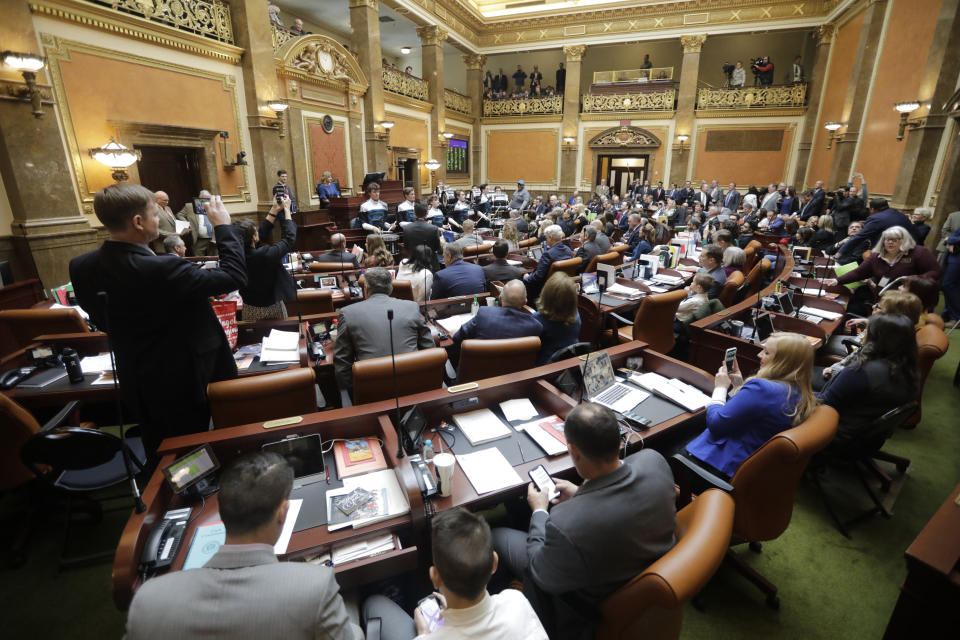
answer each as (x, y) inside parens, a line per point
(377, 177)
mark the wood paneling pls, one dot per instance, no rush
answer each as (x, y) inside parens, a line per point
(742, 167)
(329, 152)
(522, 155)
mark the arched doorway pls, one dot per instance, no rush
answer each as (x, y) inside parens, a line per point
(624, 154)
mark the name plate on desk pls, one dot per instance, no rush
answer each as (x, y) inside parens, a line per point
(466, 386)
(282, 422)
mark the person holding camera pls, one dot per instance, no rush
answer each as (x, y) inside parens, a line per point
(283, 188)
(201, 229)
(268, 282)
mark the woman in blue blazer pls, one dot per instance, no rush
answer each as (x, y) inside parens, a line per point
(777, 398)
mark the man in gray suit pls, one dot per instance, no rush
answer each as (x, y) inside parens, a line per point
(363, 330)
(598, 536)
(244, 591)
(590, 248)
(733, 198)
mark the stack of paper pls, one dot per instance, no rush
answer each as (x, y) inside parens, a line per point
(280, 346)
(383, 483)
(488, 470)
(453, 323)
(665, 279)
(481, 426)
(519, 409)
(676, 391)
(363, 549)
(618, 289)
(822, 313)
(96, 364)
(546, 434)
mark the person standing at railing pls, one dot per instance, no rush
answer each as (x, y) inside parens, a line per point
(765, 71)
(536, 79)
(519, 78)
(646, 62)
(796, 72)
(561, 78)
(739, 76)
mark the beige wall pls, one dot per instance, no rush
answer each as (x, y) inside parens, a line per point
(663, 53)
(548, 62)
(528, 154)
(454, 69)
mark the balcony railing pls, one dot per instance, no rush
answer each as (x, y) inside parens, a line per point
(787, 95)
(523, 107)
(629, 102)
(457, 102)
(396, 81)
(280, 35)
(207, 18)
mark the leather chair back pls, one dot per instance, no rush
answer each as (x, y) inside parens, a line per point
(473, 250)
(935, 320)
(330, 267)
(18, 327)
(570, 266)
(402, 289)
(261, 398)
(417, 371)
(765, 483)
(653, 323)
(309, 302)
(651, 605)
(932, 344)
(751, 252)
(17, 425)
(729, 291)
(754, 280)
(481, 359)
(612, 258)
(529, 242)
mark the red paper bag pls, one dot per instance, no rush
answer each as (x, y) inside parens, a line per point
(226, 311)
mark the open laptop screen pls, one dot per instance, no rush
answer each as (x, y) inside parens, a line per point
(597, 373)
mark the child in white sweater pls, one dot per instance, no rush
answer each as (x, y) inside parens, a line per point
(702, 282)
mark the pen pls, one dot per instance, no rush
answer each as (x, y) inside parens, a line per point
(327, 470)
(520, 449)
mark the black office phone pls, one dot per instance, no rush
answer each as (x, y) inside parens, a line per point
(164, 541)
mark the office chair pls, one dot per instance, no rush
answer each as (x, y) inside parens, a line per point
(77, 462)
(651, 605)
(570, 266)
(859, 453)
(754, 281)
(18, 327)
(260, 398)
(481, 359)
(330, 267)
(529, 242)
(653, 322)
(764, 487)
(571, 351)
(612, 258)
(932, 344)
(729, 291)
(417, 371)
(310, 302)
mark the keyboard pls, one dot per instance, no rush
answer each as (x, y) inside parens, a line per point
(612, 394)
(810, 318)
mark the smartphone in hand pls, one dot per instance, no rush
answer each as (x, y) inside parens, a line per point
(431, 610)
(543, 481)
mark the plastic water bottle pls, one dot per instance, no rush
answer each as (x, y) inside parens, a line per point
(428, 451)
(475, 306)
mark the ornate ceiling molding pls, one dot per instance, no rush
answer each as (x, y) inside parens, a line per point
(432, 35)
(624, 137)
(693, 43)
(575, 52)
(321, 60)
(474, 61)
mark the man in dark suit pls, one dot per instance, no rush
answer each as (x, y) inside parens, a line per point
(283, 186)
(167, 339)
(244, 591)
(808, 207)
(703, 196)
(659, 195)
(363, 330)
(556, 250)
(509, 320)
(499, 270)
(881, 218)
(675, 194)
(597, 536)
(458, 278)
(819, 197)
(732, 199)
(420, 232)
(561, 79)
(589, 249)
(687, 193)
(338, 252)
(632, 235)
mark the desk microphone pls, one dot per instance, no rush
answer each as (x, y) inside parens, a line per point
(396, 385)
(140, 506)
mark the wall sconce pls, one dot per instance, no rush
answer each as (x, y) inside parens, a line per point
(905, 109)
(279, 107)
(832, 128)
(117, 157)
(682, 142)
(405, 50)
(432, 165)
(569, 143)
(386, 125)
(27, 64)
(444, 138)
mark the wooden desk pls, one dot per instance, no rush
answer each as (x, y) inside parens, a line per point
(927, 606)
(377, 419)
(22, 294)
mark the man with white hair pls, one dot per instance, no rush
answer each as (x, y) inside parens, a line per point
(167, 222)
(556, 250)
(772, 198)
(338, 253)
(174, 245)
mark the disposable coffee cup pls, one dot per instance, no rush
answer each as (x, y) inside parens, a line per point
(444, 464)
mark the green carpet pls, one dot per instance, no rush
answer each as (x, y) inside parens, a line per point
(830, 587)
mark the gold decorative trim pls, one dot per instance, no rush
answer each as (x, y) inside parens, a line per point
(693, 43)
(18, 91)
(756, 112)
(321, 60)
(58, 50)
(403, 101)
(825, 33)
(280, 36)
(624, 137)
(474, 61)
(431, 35)
(521, 119)
(629, 102)
(523, 106)
(626, 115)
(575, 52)
(786, 95)
(402, 84)
(131, 26)
(457, 102)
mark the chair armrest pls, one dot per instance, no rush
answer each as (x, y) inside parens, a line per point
(851, 345)
(682, 466)
(373, 629)
(62, 415)
(620, 318)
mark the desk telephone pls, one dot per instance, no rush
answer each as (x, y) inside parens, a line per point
(13, 377)
(164, 541)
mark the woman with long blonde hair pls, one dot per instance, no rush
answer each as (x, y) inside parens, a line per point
(377, 253)
(511, 235)
(777, 398)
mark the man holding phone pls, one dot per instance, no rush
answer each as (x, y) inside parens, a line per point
(463, 561)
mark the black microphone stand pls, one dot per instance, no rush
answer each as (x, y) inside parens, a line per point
(396, 384)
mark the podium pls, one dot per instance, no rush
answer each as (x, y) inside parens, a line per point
(314, 228)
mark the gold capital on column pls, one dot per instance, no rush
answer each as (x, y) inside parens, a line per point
(364, 3)
(692, 44)
(575, 52)
(431, 35)
(825, 33)
(474, 61)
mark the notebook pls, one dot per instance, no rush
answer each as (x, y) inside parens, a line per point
(481, 426)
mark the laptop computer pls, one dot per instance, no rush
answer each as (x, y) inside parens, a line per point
(305, 456)
(602, 387)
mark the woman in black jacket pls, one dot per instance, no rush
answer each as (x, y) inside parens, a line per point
(268, 282)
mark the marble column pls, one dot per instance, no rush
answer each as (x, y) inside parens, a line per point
(949, 196)
(858, 90)
(432, 38)
(571, 117)
(365, 45)
(48, 227)
(269, 151)
(475, 63)
(938, 83)
(824, 35)
(686, 105)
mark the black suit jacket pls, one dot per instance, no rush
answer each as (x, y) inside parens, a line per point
(267, 281)
(421, 232)
(167, 339)
(500, 271)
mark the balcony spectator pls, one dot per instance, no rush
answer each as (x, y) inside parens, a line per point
(796, 73)
(739, 76)
(297, 28)
(274, 12)
(561, 78)
(519, 79)
(536, 79)
(646, 62)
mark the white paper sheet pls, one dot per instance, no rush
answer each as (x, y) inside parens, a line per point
(519, 409)
(481, 426)
(96, 364)
(453, 323)
(488, 470)
(181, 225)
(284, 540)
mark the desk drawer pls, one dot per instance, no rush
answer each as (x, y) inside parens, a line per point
(366, 570)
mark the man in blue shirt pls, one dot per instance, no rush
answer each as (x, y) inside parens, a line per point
(459, 278)
(509, 320)
(556, 250)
